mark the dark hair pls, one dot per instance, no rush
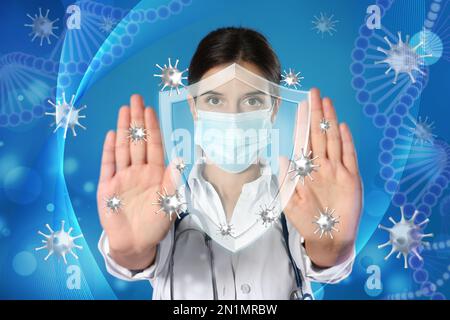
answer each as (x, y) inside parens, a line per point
(232, 44)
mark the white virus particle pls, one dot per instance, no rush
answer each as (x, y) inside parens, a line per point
(137, 134)
(114, 203)
(170, 204)
(402, 58)
(225, 229)
(268, 215)
(324, 24)
(291, 79)
(171, 76)
(66, 115)
(303, 166)
(180, 166)
(326, 223)
(42, 27)
(107, 24)
(422, 131)
(324, 125)
(59, 242)
(405, 237)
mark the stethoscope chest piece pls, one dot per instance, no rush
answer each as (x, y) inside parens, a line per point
(297, 294)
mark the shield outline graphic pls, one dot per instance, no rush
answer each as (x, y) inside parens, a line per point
(286, 186)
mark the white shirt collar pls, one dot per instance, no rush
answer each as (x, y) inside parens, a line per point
(245, 221)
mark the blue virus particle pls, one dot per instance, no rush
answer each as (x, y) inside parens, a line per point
(303, 165)
(326, 223)
(42, 27)
(373, 84)
(59, 242)
(324, 24)
(66, 115)
(107, 24)
(423, 131)
(291, 78)
(325, 125)
(114, 203)
(268, 215)
(171, 76)
(170, 204)
(405, 237)
(225, 229)
(137, 133)
(402, 58)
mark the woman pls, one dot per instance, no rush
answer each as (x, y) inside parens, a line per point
(140, 245)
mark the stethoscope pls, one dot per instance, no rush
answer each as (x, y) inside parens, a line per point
(296, 294)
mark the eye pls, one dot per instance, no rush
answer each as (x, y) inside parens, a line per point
(253, 102)
(214, 101)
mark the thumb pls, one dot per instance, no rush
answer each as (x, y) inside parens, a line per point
(172, 176)
(286, 182)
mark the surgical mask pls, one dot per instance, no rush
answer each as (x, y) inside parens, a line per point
(233, 141)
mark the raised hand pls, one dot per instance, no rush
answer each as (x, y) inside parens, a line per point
(134, 172)
(336, 185)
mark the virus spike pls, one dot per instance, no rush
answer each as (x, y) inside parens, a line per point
(414, 216)
(40, 248)
(48, 255)
(389, 254)
(384, 228)
(48, 227)
(74, 255)
(414, 251)
(43, 234)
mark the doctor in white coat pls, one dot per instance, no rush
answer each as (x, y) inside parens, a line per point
(179, 259)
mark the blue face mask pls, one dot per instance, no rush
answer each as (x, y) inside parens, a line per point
(233, 141)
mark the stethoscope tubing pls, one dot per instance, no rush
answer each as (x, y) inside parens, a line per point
(298, 276)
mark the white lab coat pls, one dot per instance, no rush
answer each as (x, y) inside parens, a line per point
(260, 270)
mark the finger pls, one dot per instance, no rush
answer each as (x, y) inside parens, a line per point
(122, 142)
(137, 148)
(334, 148)
(349, 158)
(155, 151)
(318, 139)
(108, 167)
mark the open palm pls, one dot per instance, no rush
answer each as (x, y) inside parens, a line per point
(134, 172)
(336, 184)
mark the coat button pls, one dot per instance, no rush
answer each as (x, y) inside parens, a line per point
(245, 288)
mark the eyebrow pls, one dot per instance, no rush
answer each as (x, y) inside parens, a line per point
(212, 92)
(258, 92)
